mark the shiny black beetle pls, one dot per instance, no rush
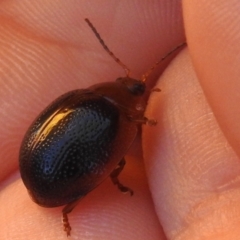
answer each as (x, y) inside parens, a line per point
(81, 138)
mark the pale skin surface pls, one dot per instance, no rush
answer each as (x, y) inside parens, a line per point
(192, 164)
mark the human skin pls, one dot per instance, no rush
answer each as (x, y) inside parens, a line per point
(186, 183)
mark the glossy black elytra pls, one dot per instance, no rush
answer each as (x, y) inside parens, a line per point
(81, 138)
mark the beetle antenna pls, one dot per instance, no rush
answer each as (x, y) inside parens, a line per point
(146, 75)
(126, 69)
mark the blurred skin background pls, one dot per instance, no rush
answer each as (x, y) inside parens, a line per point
(186, 179)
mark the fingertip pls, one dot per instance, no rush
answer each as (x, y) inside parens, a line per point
(212, 30)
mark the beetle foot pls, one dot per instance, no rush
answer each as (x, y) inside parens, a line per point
(124, 189)
(156, 90)
(151, 122)
(121, 187)
(114, 177)
(144, 120)
(66, 210)
(66, 226)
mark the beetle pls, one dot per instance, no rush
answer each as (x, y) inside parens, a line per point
(81, 138)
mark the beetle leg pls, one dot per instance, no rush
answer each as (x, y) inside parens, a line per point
(144, 120)
(66, 210)
(151, 122)
(114, 176)
(156, 90)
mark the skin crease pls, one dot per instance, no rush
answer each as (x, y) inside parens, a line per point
(46, 49)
